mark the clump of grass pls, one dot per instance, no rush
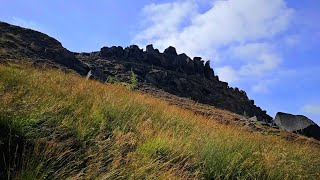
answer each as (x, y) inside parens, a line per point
(113, 132)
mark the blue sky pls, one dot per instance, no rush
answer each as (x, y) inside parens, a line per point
(269, 48)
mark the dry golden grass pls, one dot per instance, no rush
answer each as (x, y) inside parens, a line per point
(89, 130)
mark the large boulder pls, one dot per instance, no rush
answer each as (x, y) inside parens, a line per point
(297, 123)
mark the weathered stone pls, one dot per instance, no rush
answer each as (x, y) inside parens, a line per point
(297, 123)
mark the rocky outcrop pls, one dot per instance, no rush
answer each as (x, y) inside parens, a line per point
(175, 73)
(297, 123)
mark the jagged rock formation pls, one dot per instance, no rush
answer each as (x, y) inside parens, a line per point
(297, 123)
(175, 73)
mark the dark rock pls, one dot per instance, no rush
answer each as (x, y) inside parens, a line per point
(181, 62)
(170, 54)
(156, 76)
(115, 52)
(135, 53)
(170, 51)
(208, 71)
(154, 57)
(98, 74)
(297, 123)
(189, 68)
(198, 65)
(150, 49)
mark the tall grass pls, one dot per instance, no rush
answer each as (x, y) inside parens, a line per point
(84, 129)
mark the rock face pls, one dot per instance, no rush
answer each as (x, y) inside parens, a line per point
(297, 123)
(175, 73)
(21, 43)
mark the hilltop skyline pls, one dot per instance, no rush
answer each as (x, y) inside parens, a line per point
(268, 49)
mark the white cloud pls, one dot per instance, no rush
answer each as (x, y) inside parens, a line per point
(260, 58)
(227, 74)
(292, 40)
(165, 18)
(263, 86)
(312, 109)
(179, 23)
(244, 28)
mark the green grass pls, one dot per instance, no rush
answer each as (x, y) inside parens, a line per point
(83, 129)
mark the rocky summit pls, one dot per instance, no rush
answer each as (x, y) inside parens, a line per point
(175, 73)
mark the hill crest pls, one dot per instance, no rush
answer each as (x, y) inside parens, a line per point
(175, 73)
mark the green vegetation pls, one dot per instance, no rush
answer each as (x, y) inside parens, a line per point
(133, 81)
(78, 129)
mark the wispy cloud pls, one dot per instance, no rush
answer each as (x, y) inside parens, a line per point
(312, 109)
(228, 73)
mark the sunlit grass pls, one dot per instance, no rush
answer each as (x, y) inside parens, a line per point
(105, 131)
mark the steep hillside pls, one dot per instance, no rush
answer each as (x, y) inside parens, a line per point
(61, 126)
(176, 74)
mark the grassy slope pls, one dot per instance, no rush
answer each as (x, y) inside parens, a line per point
(85, 129)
